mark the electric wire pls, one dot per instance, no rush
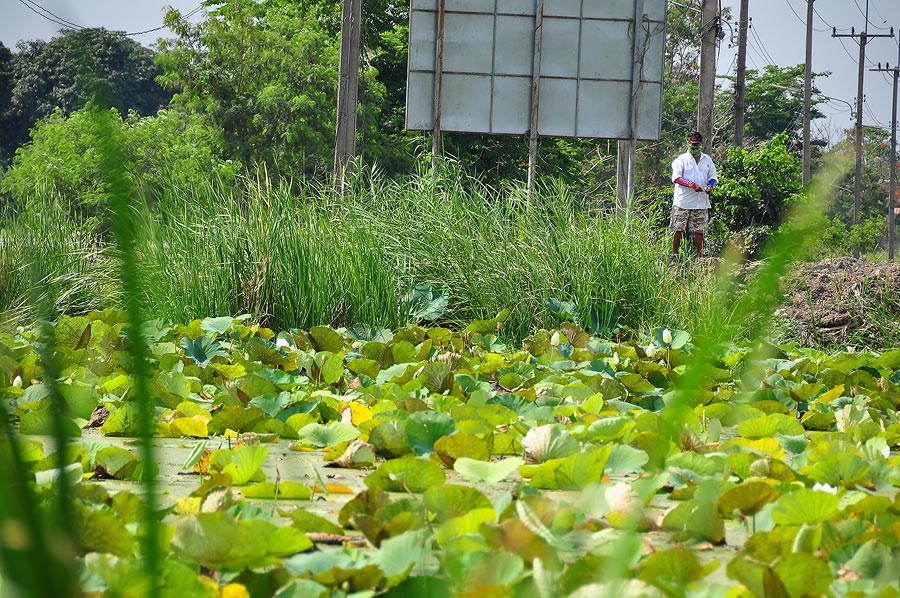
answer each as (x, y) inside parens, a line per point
(762, 46)
(801, 19)
(40, 11)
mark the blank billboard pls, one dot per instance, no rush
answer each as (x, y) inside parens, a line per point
(592, 73)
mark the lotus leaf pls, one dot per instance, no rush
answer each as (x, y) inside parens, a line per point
(570, 473)
(468, 524)
(306, 521)
(423, 302)
(398, 555)
(550, 441)
(116, 462)
(324, 338)
(845, 470)
(100, 530)
(284, 490)
(122, 421)
(41, 423)
(450, 501)
(486, 472)
(770, 425)
(348, 569)
(192, 427)
(697, 520)
(391, 520)
(406, 474)
(389, 439)
(424, 428)
(218, 541)
(805, 506)
(462, 444)
(625, 459)
(367, 502)
(234, 417)
(303, 588)
(803, 574)
(331, 434)
(748, 498)
(202, 350)
(673, 569)
(246, 464)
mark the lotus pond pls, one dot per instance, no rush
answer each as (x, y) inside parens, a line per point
(431, 462)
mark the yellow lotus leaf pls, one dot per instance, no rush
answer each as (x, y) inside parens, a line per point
(189, 505)
(190, 426)
(359, 412)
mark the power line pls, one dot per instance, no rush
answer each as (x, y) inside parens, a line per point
(762, 47)
(46, 14)
(801, 19)
(183, 18)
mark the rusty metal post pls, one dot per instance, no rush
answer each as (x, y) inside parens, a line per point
(535, 94)
(438, 85)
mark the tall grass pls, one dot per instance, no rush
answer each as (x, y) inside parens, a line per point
(295, 256)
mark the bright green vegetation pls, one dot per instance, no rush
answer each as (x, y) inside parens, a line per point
(484, 468)
(297, 257)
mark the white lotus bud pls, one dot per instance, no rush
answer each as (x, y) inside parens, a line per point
(554, 340)
(667, 336)
(650, 351)
(885, 451)
(282, 343)
(825, 488)
(17, 382)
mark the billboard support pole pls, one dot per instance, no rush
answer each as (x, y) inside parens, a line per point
(438, 86)
(627, 148)
(535, 93)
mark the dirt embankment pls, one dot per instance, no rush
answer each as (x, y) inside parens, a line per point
(843, 301)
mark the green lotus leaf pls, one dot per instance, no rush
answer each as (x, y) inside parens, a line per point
(635, 383)
(748, 498)
(284, 490)
(310, 522)
(699, 464)
(330, 434)
(389, 439)
(391, 520)
(172, 388)
(478, 471)
(367, 502)
(398, 555)
(547, 442)
(246, 464)
(324, 338)
(117, 462)
(329, 366)
(695, 520)
(571, 473)
(100, 530)
(462, 444)
(350, 570)
(41, 423)
(286, 541)
(486, 326)
(805, 506)
(365, 367)
(217, 326)
(202, 350)
(424, 428)
(74, 474)
(486, 571)
(407, 474)
(403, 352)
(845, 470)
(874, 560)
(302, 588)
(378, 352)
(606, 429)
(626, 459)
(468, 524)
(675, 339)
(424, 302)
(770, 425)
(80, 399)
(752, 574)
(235, 417)
(451, 500)
(436, 376)
(671, 570)
(803, 574)
(419, 585)
(220, 542)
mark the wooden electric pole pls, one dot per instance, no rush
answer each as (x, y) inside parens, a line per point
(739, 83)
(807, 93)
(857, 182)
(892, 190)
(348, 92)
(709, 35)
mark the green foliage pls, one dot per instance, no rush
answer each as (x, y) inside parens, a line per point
(70, 70)
(265, 75)
(774, 101)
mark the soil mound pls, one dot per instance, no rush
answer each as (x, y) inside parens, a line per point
(843, 302)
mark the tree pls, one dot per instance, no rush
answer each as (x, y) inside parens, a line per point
(68, 71)
(7, 124)
(265, 74)
(774, 100)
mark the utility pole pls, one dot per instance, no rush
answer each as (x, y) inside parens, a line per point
(807, 92)
(892, 192)
(857, 182)
(709, 35)
(348, 92)
(739, 84)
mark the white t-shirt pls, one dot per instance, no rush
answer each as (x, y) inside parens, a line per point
(685, 167)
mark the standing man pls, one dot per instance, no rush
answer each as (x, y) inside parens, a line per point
(694, 175)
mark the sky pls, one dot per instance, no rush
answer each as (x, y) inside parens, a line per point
(777, 36)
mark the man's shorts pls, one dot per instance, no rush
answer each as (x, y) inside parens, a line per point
(689, 221)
